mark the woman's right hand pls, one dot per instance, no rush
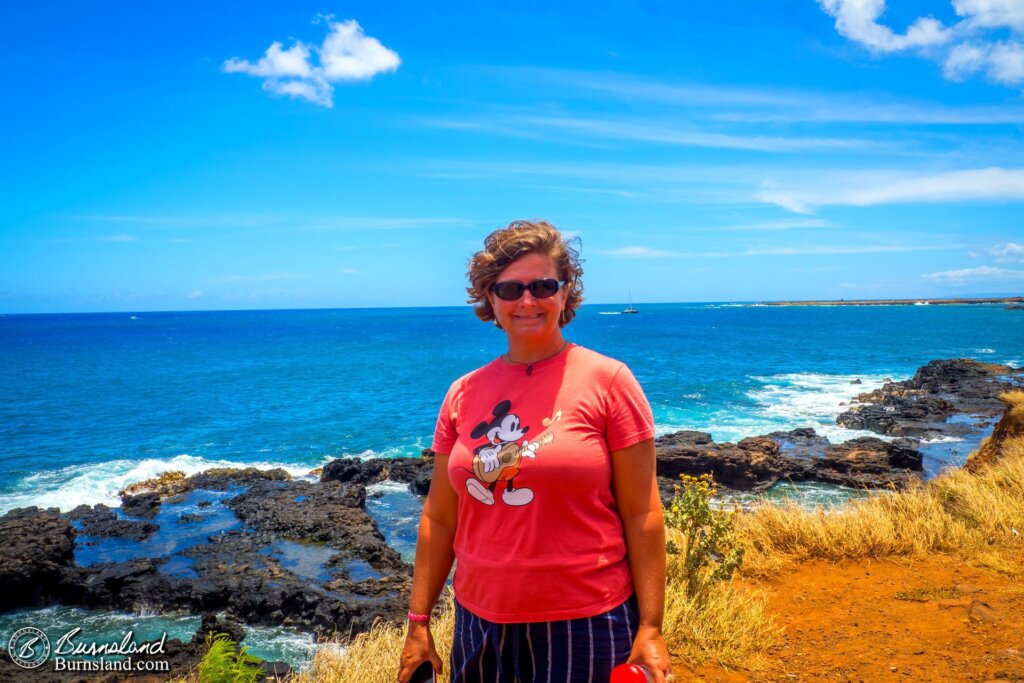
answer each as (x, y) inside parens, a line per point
(419, 647)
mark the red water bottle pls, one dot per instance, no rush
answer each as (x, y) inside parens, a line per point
(631, 673)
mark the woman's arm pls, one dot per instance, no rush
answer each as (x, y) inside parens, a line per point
(639, 505)
(434, 557)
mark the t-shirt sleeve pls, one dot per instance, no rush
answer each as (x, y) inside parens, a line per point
(630, 420)
(445, 433)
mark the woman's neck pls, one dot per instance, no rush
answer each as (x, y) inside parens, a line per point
(526, 351)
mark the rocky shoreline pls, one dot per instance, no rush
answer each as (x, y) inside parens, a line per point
(259, 547)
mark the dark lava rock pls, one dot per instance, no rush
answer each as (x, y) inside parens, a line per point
(920, 406)
(102, 521)
(37, 557)
(757, 463)
(141, 505)
(211, 623)
(802, 444)
(415, 472)
(753, 464)
(223, 479)
(328, 512)
(869, 462)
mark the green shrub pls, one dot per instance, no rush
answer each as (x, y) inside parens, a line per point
(223, 664)
(709, 547)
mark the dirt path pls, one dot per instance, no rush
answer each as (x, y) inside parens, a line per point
(845, 622)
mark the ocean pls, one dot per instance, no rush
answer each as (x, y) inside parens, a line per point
(90, 403)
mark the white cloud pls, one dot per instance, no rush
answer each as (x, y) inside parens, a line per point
(276, 63)
(973, 45)
(118, 238)
(1011, 252)
(982, 273)
(1006, 63)
(348, 271)
(982, 184)
(347, 54)
(194, 294)
(858, 21)
(991, 13)
(963, 61)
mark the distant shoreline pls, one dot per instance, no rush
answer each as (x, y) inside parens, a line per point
(896, 302)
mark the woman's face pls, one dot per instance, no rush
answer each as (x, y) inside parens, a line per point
(529, 317)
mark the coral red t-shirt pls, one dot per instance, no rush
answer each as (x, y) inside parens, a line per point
(539, 537)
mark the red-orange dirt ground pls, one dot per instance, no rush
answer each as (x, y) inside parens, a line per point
(844, 622)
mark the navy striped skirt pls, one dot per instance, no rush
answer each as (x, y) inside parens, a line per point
(569, 651)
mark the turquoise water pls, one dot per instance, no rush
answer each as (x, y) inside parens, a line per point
(92, 403)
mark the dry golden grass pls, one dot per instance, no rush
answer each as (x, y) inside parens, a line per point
(969, 515)
(372, 657)
(726, 624)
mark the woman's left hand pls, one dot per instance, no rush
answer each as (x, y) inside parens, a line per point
(649, 650)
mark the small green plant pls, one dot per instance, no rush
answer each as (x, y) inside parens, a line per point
(223, 664)
(710, 550)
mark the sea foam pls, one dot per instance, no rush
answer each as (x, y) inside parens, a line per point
(783, 402)
(76, 485)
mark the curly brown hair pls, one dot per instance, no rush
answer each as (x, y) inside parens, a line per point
(519, 238)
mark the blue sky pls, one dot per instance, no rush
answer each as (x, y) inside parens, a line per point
(178, 156)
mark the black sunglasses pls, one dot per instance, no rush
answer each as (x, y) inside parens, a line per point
(540, 289)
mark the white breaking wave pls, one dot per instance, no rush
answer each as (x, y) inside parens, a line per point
(388, 486)
(984, 350)
(942, 439)
(76, 485)
(275, 642)
(783, 402)
(808, 399)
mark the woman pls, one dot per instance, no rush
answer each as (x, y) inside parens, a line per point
(543, 489)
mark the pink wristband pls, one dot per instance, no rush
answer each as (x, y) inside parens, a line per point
(418, 617)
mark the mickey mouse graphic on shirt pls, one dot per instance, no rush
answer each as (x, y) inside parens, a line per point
(498, 460)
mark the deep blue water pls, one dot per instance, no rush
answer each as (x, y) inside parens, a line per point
(89, 403)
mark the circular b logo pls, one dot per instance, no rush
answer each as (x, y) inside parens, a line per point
(29, 647)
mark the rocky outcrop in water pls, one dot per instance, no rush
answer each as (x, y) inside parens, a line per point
(38, 557)
(412, 471)
(258, 546)
(101, 521)
(920, 406)
(757, 463)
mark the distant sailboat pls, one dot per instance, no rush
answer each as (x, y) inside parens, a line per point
(629, 308)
